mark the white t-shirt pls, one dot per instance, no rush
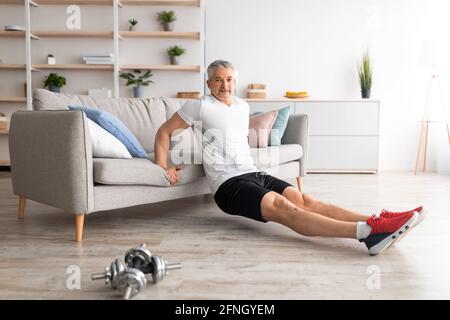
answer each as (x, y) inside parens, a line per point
(222, 132)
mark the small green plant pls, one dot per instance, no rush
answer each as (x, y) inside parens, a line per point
(166, 17)
(365, 72)
(133, 22)
(54, 80)
(137, 79)
(176, 51)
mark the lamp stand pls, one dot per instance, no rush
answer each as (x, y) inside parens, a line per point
(423, 139)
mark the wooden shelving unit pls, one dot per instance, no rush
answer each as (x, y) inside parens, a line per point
(5, 163)
(13, 99)
(160, 34)
(161, 67)
(4, 132)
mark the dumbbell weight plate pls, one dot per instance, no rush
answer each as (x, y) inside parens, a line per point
(139, 253)
(132, 279)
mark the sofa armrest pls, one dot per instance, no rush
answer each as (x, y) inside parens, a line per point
(297, 132)
(51, 159)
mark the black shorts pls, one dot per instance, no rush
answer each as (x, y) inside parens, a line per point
(242, 195)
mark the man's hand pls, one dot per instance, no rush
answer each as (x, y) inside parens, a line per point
(173, 175)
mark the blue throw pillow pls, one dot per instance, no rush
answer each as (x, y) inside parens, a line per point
(116, 127)
(279, 126)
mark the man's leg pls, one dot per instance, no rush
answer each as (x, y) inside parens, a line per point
(308, 203)
(276, 208)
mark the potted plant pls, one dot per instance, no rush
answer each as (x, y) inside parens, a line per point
(138, 80)
(51, 59)
(174, 53)
(365, 75)
(133, 23)
(167, 18)
(54, 82)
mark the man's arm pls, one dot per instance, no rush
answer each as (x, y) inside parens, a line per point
(162, 144)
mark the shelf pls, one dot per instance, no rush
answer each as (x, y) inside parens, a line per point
(74, 34)
(160, 34)
(32, 3)
(78, 2)
(12, 66)
(189, 3)
(5, 163)
(160, 67)
(74, 66)
(16, 34)
(13, 99)
(4, 132)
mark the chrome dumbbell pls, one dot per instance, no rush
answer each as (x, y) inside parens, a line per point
(130, 282)
(141, 258)
(138, 257)
(110, 274)
(158, 268)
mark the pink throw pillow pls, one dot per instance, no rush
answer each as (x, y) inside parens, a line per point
(259, 129)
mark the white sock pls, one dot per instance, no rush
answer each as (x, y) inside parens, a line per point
(362, 230)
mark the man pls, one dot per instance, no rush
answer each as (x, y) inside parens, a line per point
(239, 188)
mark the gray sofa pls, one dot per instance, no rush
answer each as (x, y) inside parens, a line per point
(52, 163)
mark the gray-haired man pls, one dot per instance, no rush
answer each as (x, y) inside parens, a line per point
(239, 188)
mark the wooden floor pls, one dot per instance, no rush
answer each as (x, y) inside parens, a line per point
(226, 257)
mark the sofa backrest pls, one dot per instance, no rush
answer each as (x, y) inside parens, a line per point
(143, 116)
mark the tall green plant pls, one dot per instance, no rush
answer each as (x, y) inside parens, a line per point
(365, 72)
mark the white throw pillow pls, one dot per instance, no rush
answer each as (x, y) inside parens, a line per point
(104, 144)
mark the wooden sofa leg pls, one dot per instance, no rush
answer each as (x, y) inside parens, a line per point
(79, 223)
(22, 202)
(299, 183)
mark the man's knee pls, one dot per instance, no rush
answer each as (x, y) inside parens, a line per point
(274, 207)
(301, 200)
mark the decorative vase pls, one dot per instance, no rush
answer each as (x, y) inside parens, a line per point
(168, 26)
(54, 88)
(138, 92)
(365, 93)
(174, 60)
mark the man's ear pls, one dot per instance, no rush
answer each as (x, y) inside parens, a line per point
(208, 84)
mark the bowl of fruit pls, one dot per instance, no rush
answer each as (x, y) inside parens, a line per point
(296, 94)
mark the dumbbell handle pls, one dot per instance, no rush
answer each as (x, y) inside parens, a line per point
(148, 269)
(99, 276)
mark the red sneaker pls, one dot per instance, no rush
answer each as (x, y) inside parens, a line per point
(390, 214)
(420, 210)
(387, 230)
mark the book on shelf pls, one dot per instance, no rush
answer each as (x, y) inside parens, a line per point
(98, 62)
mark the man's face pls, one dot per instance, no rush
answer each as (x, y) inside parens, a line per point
(222, 83)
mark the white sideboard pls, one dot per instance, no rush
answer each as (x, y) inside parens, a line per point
(343, 134)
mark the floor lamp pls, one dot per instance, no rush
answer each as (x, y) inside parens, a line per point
(430, 116)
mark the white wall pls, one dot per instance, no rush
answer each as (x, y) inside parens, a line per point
(315, 46)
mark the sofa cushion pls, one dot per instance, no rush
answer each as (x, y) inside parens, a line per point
(260, 126)
(142, 116)
(276, 155)
(104, 144)
(145, 172)
(116, 127)
(279, 126)
(139, 172)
